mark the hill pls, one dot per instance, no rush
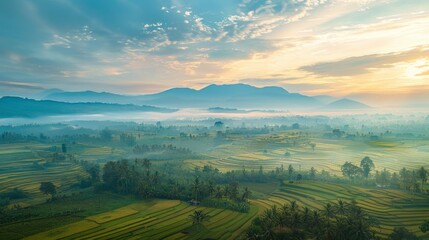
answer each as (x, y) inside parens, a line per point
(227, 96)
(24, 107)
(346, 104)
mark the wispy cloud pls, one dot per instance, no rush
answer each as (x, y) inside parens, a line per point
(312, 46)
(20, 85)
(364, 64)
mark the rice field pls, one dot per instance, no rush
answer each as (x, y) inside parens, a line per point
(329, 154)
(169, 219)
(18, 169)
(157, 219)
(391, 208)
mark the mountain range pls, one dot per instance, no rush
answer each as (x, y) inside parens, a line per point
(241, 96)
(29, 108)
(215, 98)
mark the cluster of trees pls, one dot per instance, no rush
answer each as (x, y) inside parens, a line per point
(13, 137)
(353, 171)
(128, 139)
(164, 152)
(142, 149)
(410, 180)
(169, 181)
(228, 196)
(12, 194)
(337, 221)
(341, 220)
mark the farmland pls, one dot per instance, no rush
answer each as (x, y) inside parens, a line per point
(168, 219)
(133, 182)
(269, 151)
(157, 219)
(390, 207)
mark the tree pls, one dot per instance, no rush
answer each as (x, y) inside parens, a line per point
(4, 202)
(48, 188)
(329, 211)
(299, 177)
(423, 175)
(313, 146)
(425, 226)
(404, 174)
(350, 170)
(198, 217)
(290, 170)
(218, 192)
(313, 173)
(196, 187)
(233, 190)
(146, 165)
(401, 233)
(246, 194)
(341, 207)
(64, 148)
(367, 165)
(106, 134)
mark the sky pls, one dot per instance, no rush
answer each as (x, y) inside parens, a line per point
(375, 51)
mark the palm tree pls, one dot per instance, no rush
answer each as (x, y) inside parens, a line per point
(146, 165)
(316, 219)
(198, 217)
(423, 175)
(210, 188)
(359, 229)
(329, 211)
(306, 215)
(218, 192)
(246, 194)
(341, 207)
(226, 191)
(196, 186)
(293, 206)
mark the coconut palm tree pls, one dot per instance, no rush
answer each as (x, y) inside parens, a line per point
(246, 194)
(293, 206)
(146, 165)
(423, 175)
(196, 187)
(341, 207)
(329, 211)
(306, 215)
(218, 192)
(198, 217)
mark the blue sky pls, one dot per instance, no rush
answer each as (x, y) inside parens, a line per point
(356, 48)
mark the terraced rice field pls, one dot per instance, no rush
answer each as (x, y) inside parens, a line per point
(158, 219)
(329, 154)
(17, 169)
(390, 207)
(169, 219)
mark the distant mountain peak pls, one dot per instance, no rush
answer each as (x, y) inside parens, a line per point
(237, 95)
(346, 103)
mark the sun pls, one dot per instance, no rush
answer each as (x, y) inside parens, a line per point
(415, 69)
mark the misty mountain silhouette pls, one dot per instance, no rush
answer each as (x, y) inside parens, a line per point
(24, 107)
(346, 103)
(231, 96)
